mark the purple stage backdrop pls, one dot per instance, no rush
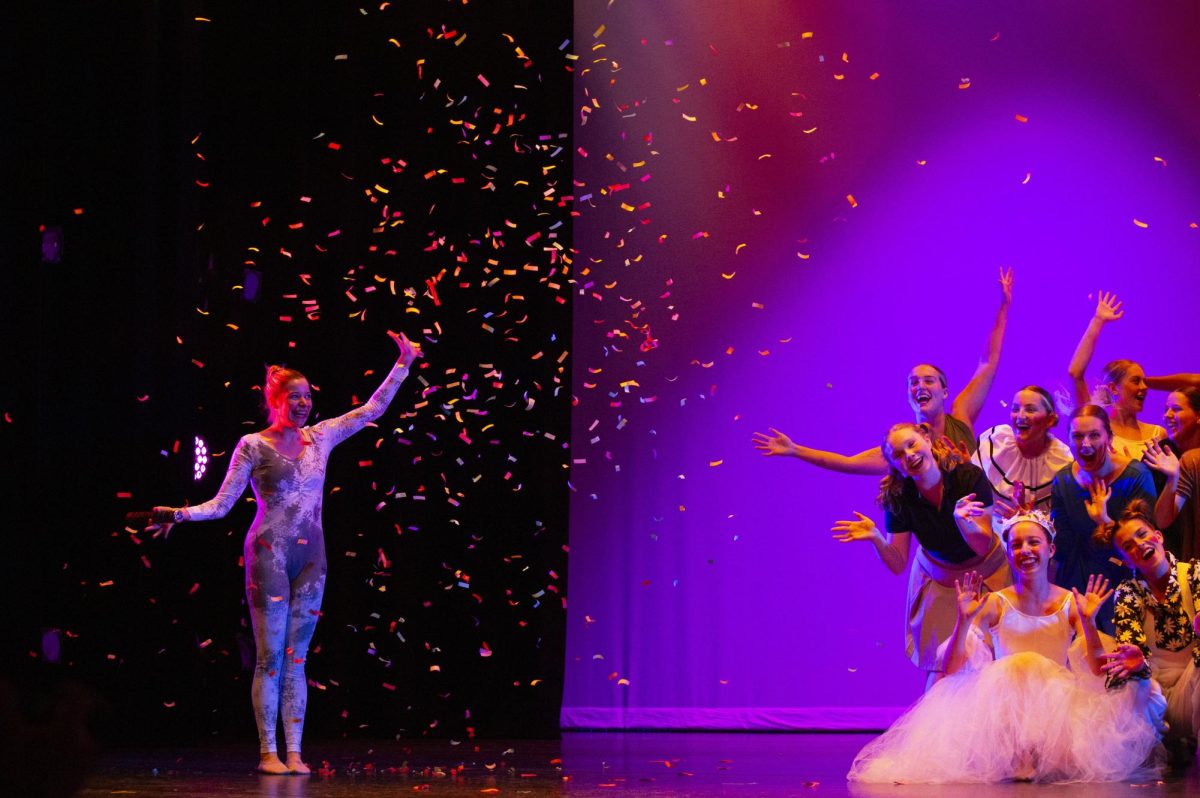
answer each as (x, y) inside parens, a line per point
(782, 207)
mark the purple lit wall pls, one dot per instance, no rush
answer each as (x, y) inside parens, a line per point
(781, 208)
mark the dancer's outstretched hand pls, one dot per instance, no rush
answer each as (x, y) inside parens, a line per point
(158, 523)
(409, 351)
(774, 444)
(1088, 603)
(1162, 459)
(1108, 308)
(848, 531)
(950, 453)
(970, 595)
(1004, 509)
(1006, 285)
(967, 511)
(1097, 502)
(1127, 660)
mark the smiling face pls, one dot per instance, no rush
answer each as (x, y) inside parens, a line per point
(1180, 419)
(926, 390)
(292, 405)
(1129, 389)
(1090, 443)
(1029, 548)
(1140, 546)
(1031, 416)
(909, 451)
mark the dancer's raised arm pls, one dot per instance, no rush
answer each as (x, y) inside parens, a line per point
(1108, 308)
(1173, 382)
(349, 423)
(1170, 502)
(972, 604)
(1087, 604)
(974, 521)
(891, 548)
(970, 400)
(777, 444)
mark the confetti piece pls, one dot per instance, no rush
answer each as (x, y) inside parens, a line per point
(1140, 223)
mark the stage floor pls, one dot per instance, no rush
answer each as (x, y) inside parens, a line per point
(581, 764)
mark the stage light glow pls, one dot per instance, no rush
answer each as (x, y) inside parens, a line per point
(200, 463)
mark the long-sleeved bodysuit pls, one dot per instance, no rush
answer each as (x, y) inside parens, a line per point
(285, 555)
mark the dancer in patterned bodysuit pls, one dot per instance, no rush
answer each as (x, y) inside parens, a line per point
(285, 546)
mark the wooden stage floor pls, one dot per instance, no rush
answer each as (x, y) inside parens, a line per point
(580, 764)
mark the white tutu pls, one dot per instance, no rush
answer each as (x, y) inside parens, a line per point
(1023, 716)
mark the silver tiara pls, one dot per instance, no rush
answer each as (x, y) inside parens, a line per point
(1038, 517)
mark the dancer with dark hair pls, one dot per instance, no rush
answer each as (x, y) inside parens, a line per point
(1085, 495)
(1156, 623)
(1177, 512)
(1122, 388)
(927, 395)
(1024, 452)
(285, 546)
(1023, 699)
(948, 511)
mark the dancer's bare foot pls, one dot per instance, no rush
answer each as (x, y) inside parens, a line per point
(296, 765)
(270, 763)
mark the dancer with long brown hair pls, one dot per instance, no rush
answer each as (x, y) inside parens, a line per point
(947, 509)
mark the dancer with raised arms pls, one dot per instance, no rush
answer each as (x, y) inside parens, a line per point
(1122, 388)
(927, 395)
(948, 511)
(284, 550)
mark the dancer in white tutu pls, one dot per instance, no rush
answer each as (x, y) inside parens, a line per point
(1024, 699)
(1156, 623)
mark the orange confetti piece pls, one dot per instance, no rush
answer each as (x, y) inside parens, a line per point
(853, 202)
(1021, 118)
(1140, 223)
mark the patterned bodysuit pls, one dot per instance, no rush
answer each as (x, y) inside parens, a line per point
(285, 556)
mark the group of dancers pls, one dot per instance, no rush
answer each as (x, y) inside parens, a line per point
(1051, 594)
